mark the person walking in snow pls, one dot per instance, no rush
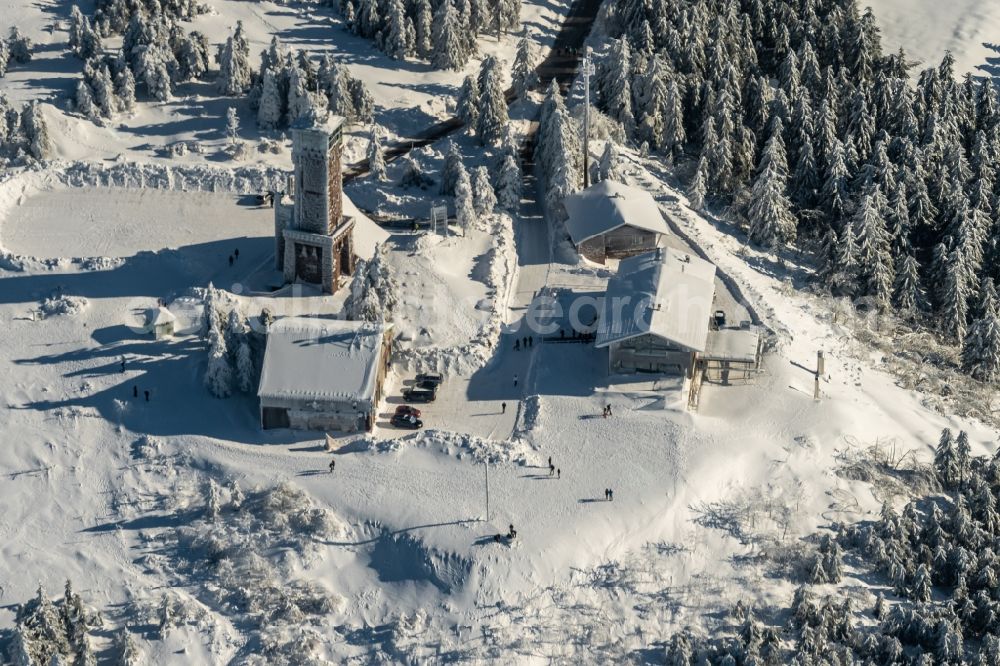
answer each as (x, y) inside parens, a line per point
(607, 494)
(333, 463)
(236, 253)
(558, 473)
(515, 380)
(552, 469)
(517, 345)
(147, 395)
(123, 364)
(611, 495)
(503, 407)
(135, 391)
(531, 341)
(550, 461)
(230, 261)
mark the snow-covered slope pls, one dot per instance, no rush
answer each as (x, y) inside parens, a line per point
(970, 29)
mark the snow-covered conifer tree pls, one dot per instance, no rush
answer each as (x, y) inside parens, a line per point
(523, 73)
(125, 90)
(770, 213)
(483, 196)
(874, 252)
(373, 290)
(269, 111)
(376, 159)
(413, 175)
(244, 367)
(508, 185)
(449, 45)
(362, 102)
(367, 21)
(954, 298)
(981, 347)
(908, 295)
(234, 63)
(467, 107)
(423, 29)
(492, 122)
(697, 187)
(232, 125)
(36, 131)
(300, 102)
(155, 73)
(398, 39)
(465, 210)
(618, 86)
(20, 46)
(452, 167)
(84, 100)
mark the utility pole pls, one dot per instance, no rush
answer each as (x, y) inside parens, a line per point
(588, 71)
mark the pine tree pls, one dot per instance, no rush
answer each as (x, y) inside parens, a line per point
(85, 100)
(397, 42)
(468, 101)
(483, 197)
(128, 651)
(244, 367)
(36, 131)
(219, 372)
(874, 251)
(269, 112)
(609, 167)
(770, 213)
(234, 63)
(954, 298)
(423, 29)
(508, 186)
(696, 190)
(465, 210)
(492, 123)
(20, 46)
(452, 167)
(908, 295)
(376, 158)
(367, 21)
(449, 48)
(300, 102)
(362, 102)
(125, 90)
(155, 73)
(232, 126)
(981, 347)
(617, 86)
(945, 459)
(413, 175)
(523, 73)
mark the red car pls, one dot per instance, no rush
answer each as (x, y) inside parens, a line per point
(406, 410)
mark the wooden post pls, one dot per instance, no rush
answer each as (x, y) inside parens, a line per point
(820, 363)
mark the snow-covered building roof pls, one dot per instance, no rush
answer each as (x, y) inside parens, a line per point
(608, 205)
(739, 345)
(321, 359)
(367, 234)
(159, 316)
(667, 293)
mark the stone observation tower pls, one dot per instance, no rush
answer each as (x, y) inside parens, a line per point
(313, 239)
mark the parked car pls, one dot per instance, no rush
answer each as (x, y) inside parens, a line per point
(407, 421)
(419, 395)
(406, 410)
(427, 385)
(430, 378)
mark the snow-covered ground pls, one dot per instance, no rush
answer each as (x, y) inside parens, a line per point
(970, 29)
(392, 556)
